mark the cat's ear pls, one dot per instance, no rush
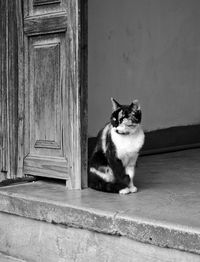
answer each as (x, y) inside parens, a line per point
(115, 104)
(135, 105)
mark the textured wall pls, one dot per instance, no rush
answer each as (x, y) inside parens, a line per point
(148, 50)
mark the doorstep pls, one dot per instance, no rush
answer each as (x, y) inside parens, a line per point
(165, 211)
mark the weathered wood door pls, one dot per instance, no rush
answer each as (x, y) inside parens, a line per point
(52, 92)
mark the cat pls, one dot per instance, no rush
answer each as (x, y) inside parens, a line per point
(112, 164)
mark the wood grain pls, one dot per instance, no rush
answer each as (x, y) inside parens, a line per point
(45, 24)
(12, 87)
(44, 7)
(46, 166)
(44, 106)
(78, 108)
(83, 65)
(43, 92)
(47, 144)
(20, 87)
(9, 90)
(4, 85)
(73, 96)
(45, 2)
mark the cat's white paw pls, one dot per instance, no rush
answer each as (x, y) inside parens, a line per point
(133, 189)
(127, 190)
(124, 191)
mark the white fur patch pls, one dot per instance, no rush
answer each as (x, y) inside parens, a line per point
(128, 146)
(128, 190)
(103, 137)
(107, 176)
(130, 169)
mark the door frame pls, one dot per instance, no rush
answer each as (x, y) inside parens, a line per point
(8, 89)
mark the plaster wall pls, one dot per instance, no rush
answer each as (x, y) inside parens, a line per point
(149, 50)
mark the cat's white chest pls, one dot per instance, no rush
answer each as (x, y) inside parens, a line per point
(128, 146)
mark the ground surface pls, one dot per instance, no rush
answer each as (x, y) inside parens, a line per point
(164, 212)
(5, 258)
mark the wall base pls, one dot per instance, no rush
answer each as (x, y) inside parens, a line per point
(165, 140)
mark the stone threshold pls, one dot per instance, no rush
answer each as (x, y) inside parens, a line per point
(165, 212)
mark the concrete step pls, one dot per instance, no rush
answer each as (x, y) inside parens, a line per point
(39, 241)
(44, 222)
(5, 258)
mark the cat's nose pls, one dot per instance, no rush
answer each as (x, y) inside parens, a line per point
(126, 121)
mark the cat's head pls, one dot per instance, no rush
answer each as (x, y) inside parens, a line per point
(125, 118)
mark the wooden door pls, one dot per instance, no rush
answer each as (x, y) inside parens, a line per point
(52, 91)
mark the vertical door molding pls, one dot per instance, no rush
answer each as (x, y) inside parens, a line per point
(4, 88)
(9, 89)
(20, 49)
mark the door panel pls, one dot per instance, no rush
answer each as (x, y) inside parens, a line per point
(46, 61)
(38, 7)
(46, 23)
(47, 153)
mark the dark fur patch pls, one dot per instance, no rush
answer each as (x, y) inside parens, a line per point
(131, 113)
(99, 159)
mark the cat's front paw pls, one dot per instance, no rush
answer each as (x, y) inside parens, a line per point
(133, 189)
(124, 191)
(128, 190)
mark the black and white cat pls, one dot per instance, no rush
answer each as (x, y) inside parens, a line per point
(112, 165)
